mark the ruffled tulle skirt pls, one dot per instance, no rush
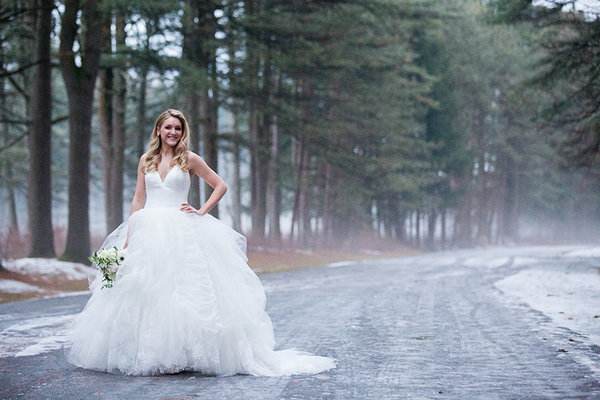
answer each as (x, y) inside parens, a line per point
(184, 300)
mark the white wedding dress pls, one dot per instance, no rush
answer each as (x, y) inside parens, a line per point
(184, 299)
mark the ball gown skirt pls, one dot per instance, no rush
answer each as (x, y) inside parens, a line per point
(184, 299)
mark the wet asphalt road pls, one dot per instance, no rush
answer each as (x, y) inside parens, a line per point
(428, 327)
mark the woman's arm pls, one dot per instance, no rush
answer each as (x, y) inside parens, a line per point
(139, 197)
(199, 167)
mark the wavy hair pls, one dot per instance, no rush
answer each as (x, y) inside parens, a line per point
(152, 156)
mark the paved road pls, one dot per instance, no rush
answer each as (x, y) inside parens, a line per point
(429, 327)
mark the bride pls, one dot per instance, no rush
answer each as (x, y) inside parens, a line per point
(184, 298)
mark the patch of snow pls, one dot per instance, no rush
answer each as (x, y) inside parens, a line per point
(371, 252)
(570, 298)
(523, 261)
(589, 252)
(12, 286)
(35, 336)
(341, 264)
(450, 273)
(67, 294)
(289, 286)
(49, 266)
(489, 262)
(442, 260)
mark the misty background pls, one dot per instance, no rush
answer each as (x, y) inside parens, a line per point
(336, 123)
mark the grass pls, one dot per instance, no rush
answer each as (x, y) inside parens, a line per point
(265, 260)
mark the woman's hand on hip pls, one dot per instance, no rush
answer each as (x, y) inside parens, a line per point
(185, 207)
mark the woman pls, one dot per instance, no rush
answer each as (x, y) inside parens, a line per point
(184, 297)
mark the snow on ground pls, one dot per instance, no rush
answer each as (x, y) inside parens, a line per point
(583, 252)
(570, 298)
(341, 264)
(35, 336)
(12, 286)
(484, 261)
(49, 266)
(522, 261)
(66, 294)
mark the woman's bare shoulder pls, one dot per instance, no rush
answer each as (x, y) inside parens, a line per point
(141, 162)
(193, 157)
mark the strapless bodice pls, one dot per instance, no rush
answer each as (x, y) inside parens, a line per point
(168, 193)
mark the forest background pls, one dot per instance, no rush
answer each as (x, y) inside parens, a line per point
(336, 123)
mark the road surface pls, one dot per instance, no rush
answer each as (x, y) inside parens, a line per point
(426, 327)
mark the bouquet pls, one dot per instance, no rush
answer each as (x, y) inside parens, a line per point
(108, 261)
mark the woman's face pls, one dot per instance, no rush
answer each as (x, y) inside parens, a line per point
(170, 131)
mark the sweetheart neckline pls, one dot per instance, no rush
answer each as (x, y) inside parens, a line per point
(167, 175)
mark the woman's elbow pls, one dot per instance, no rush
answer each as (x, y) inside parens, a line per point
(225, 187)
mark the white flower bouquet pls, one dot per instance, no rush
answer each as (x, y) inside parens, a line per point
(108, 261)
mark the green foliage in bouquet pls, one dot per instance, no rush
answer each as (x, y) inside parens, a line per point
(107, 261)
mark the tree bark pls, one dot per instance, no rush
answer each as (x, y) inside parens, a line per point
(211, 131)
(400, 227)
(432, 221)
(40, 141)
(119, 129)
(328, 197)
(256, 131)
(141, 119)
(298, 162)
(443, 222)
(274, 190)
(105, 118)
(418, 228)
(236, 190)
(262, 147)
(508, 218)
(79, 82)
(191, 54)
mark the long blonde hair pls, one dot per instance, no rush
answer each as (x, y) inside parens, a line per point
(152, 156)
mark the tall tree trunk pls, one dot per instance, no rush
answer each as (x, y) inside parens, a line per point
(142, 135)
(195, 123)
(119, 128)
(112, 124)
(141, 118)
(432, 221)
(11, 199)
(5, 164)
(305, 200)
(321, 193)
(105, 118)
(274, 190)
(443, 222)
(462, 235)
(508, 219)
(298, 162)
(79, 82)
(262, 145)
(482, 180)
(236, 190)
(237, 181)
(40, 142)
(418, 228)
(400, 227)
(411, 227)
(211, 150)
(328, 194)
(191, 52)
(256, 130)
